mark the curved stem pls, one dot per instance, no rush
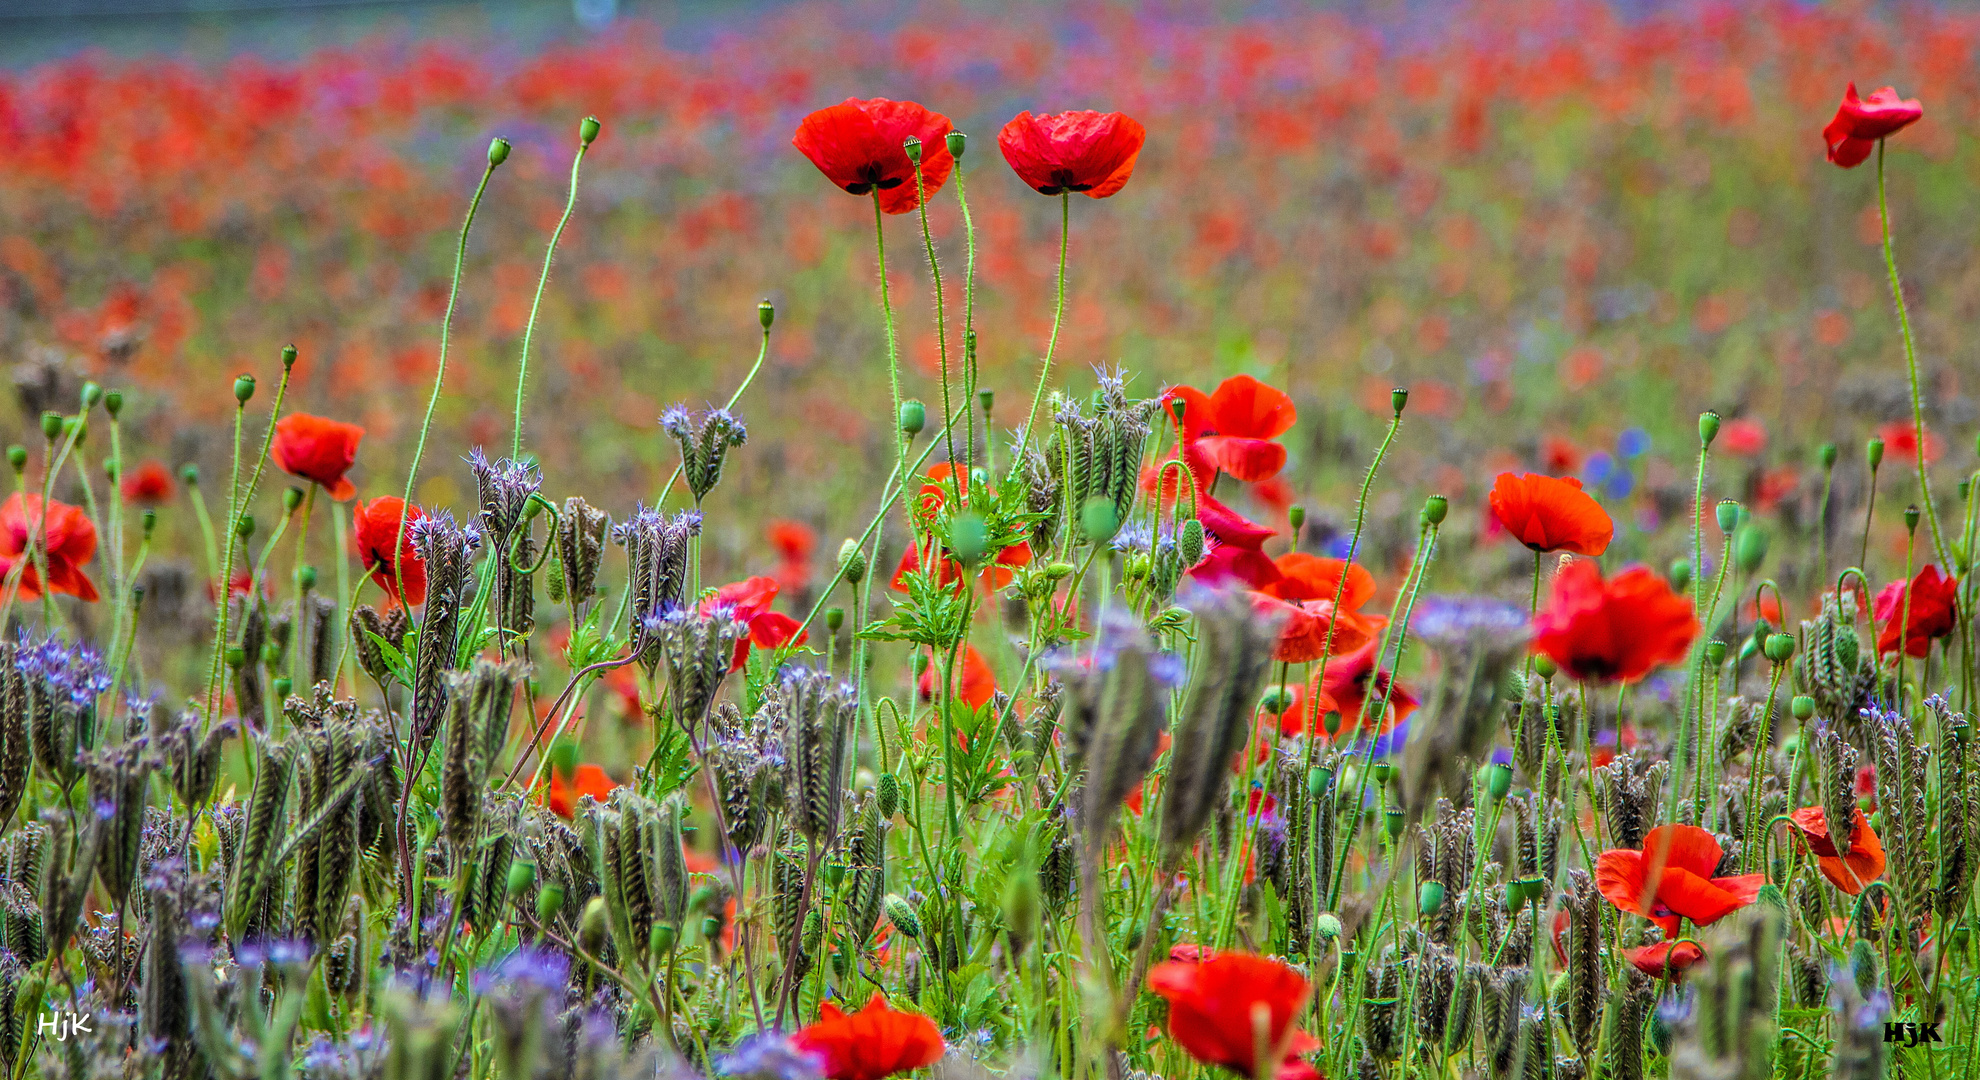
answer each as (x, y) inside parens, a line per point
(529, 328)
(1910, 365)
(1058, 319)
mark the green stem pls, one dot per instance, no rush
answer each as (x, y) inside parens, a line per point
(1910, 364)
(941, 327)
(529, 328)
(893, 342)
(1058, 319)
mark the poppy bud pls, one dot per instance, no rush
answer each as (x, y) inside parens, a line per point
(1779, 647)
(1275, 701)
(1380, 772)
(1545, 667)
(920, 663)
(766, 313)
(914, 417)
(110, 469)
(549, 901)
(1803, 706)
(1911, 518)
(498, 151)
(1394, 821)
(852, 561)
(1317, 779)
(1715, 653)
(17, 456)
(271, 653)
(1874, 451)
(288, 357)
(985, 398)
(969, 537)
(1727, 514)
(1680, 573)
(1429, 898)
(306, 577)
(91, 394)
(190, 474)
(522, 876)
(1098, 519)
(1177, 407)
(1708, 427)
(243, 389)
(150, 520)
(1435, 508)
(51, 424)
(835, 617)
(1189, 542)
(113, 403)
(957, 142)
(1398, 398)
(1826, 454)
(292, 498)
(912, 144)
(901, 914)
(73, 425)
(1750, 547)
(244, 528)
(587, 130)
(1328, 925)
(1498, 779)
(591, 924)
(236, 657)
(887, 795)
(660, 941)
(1331, 723)
(282, 685)
(1058, 571)
(564, 755)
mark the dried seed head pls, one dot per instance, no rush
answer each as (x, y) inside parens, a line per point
(657, 558)
(699, 650)
(1116, 705)
(705, 441)
(580, 546)
(1234, 647)
(817, 714)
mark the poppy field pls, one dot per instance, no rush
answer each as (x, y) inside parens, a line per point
(1096, 543)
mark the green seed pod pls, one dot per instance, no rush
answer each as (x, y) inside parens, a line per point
(1429, 898)
(282, 685)
(1380, 771)
(835, 617)
(549, 901)
(1803, 707)
(1295, 517)
(1545, 667)
(190, 475)
(1318, 779)
(291, 498)
(1498, 779)
(1750, 544)
(1911, 519)
(660, 940)
(1873, 451)
(592, 924)
(588, 130)
(1779, 648)
(1727, 515)
(1394, 821)
(766, 313)
(288, 357)
(902, 915)
(236, 657)
(912, 144)
(17, 456)
(1435, 508)
(498, 152)
(51, 425)
(957, 142)
(244, 528)
(1826, 454)
(913, 417)
(91, 394)
(1708, 427)
(110, 469)
(522, 877)
(306, 577)
(1715, 653)
(1398, 398)
(1680, 573)
(150, 519)
(113, 403)
(243, 389)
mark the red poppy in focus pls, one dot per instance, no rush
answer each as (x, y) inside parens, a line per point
(1085, 151)
(1548, 513)
(1850, 873)
(1671, 877)
(562, 795)
(1236, 425)
(1744, 437)
(1236, 548)
(975, 683)
(1353, 683)
(1901, 441)
(150, 484)
(858, 145)
(317, 449)
(1931, 614)
(1615, 630)
(1219, 1007)
(1861, 122)
(376, 525)
(1670, 958)
(66, 541)
(871, 1044)
(749, 601)
(1308, 579)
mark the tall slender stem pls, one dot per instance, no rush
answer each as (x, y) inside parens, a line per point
(529, 328)
(941, 330)
(1910, 365)
(893, 342)
(1058, 319)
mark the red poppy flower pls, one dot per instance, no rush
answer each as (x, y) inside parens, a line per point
(1615, 630)
(376, 525)
(1932, 613)
(1671, 877)
(150, 484)
(1183, 952)
(1901, 441)
(317, 449)
(66, 540)
(1235, 426)
(1308, 708)
(1744, 437)
(873, 1043)
(858, 146)
(749, 601)
(794, 542)
(1085, 151)
(1351, 681)
(997, 574)
(1310, 579)
(1850, 873)
(562, 794)
(1220, 1005)
(975, 683)
(1304, 627)
(1549, 513)
(1860, 123)
(1670, 958)
(1235, 550)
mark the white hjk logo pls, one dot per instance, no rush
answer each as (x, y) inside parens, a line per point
(63, 1024)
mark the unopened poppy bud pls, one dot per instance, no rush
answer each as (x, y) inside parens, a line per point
(51, 425)
(190, 475)
(591, 925)
(1715, 653)
(1545, 667)
(91, 394)
(985, 399)
(1317, 779)
(1874, 452)
(306, 577)
(1328, 925)
(912, 145)
(549, 901)
(288, 357)
(835, 617)
(1276, 700)
(113, 402)
(887, 794)
(902, 915)
(920, 664)
(1394, 821)
(1331, 723)
(1803, 707)
(588, 130)
(1911, 518)
(766, 313)
(498, 151)
(243, 389)
(149, 520)
(1189, 542)
(236, 657)
(522, 877)
(914, 417)
(1296, 517)
(244, 528)
(1780, 647)
(1708, 427)
(564, 755)
(1435, 508)
(17, 456)
(957, 143)
(1750, 547)
(1498, 779)
(1058, 571)
(1680, 573)
(282, 685)
(291, 498)
(1398, 398)
(1099, 520)
(660, 940)
(1826, 454)
(852, 562)
(1429, 898)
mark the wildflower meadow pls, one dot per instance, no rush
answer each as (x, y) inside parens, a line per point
(1104, 542)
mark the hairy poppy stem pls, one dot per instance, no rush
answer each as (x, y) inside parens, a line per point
(1058, 319)
(893, 343)
(941, 323)
(295, 577)
(1911, 365)
(236, 501)
(529, 328)
(969, 324)
(1749, 856)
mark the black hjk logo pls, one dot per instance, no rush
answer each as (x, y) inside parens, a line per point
(1912, 1034)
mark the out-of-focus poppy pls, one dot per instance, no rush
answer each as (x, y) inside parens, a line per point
(317, 449)
(1354, 684)
(1236, 425)
(1612, 631)
(1901, 441)
(1084, 151)
(874, 1043)
(64, 536)
(563, 793)
(1670, 958)
(376, 526)
(1219, 1004)
(749, 601)
(1304, 627)
(1671, 876)
(858, 145)
(1861, 122)
(975, 682)
(1235, 551)
(150, 484)
(1931, 614)
(1850, 873)
(1743, 437)
(1548, 513)
(794, 543)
